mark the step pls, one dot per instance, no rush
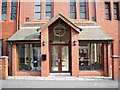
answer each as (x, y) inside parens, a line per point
(83, 78)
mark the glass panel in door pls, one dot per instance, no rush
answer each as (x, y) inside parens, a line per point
(65, 58)
(55, 59)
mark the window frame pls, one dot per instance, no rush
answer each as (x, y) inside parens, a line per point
(91, 55)
(14, 12)
(85, 6)
(71, 12)
(29, 61)
(50, 12)
(117, 8)
(109, 9)
(6, 10)
(38, 5)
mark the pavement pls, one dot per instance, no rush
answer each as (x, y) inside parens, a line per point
(58, 82)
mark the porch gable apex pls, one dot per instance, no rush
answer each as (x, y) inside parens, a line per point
(62, 17)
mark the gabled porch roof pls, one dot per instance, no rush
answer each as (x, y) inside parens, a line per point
(94, 34)
(30, 34)
(66, 20)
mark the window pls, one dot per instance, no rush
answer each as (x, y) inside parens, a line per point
(13, 10)
(4, 9)
(72, 9)
(1, 47)
(38, 9)
(90, 56)
(107, 8)
(29, 57)
(48, 9)
(116, 11)
(82, 9)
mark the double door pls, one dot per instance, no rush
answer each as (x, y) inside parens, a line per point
(59, 58)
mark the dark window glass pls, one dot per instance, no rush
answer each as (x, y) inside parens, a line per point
(72, 9)
(14, 3)
(13, 9)
(48, 15)
(38, 9)
(4, 2)
(90, 56)
(37, 15)
(107, 7)
(82, 15)
(4, 16)
(13, 16)
(48, 2)
(83, 9)
(38, 2)
(0, 47)
(72, 15)
(48, 9)
(4, 9)
(29, 57)
(116, 11)
(72, 2)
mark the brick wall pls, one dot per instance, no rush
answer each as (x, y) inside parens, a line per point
(3, 67)
(45, 50)
(74, 53)
(91, 73)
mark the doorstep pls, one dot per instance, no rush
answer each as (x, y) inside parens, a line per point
(66, 78)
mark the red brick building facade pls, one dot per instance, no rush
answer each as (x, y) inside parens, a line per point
(76, 37)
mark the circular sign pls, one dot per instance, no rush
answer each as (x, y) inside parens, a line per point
(59, 32)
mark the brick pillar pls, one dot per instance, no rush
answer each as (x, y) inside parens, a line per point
(45, 50)
(14, 55)
(78, 9)
(106, 59)
(74, 53)
(43, 10)
(3, 67)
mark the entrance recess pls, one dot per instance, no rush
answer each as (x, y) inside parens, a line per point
(59, 58)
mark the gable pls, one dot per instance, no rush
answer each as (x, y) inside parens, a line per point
(64, 19)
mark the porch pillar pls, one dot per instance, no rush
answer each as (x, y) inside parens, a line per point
(74, 53)
(14, 56)
(106, 59)
(112, 61)
(45, 50)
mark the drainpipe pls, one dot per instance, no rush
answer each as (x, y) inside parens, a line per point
(95, 10)
(18, 22)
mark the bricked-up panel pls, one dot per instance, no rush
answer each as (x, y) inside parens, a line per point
(3, 67)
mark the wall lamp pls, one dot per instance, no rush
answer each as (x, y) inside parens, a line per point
(43, 43)
(74, 43)
(27, 19)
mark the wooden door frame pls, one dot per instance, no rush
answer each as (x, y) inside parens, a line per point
(60, 56)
